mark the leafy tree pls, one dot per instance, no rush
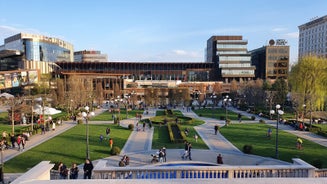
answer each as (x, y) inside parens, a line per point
(254, 93)
(234, 86)
(266, 85)
(309, 78)
(281, 88)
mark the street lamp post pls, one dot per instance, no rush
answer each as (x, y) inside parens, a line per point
(126, 103)
(213, 99)
(118, 101)
(132, 98)
(279, 113)
(86, 115)
(226, 101)
(303, 114)
(2, 165)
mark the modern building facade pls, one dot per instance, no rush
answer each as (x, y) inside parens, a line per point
(90, 56)
(232, 57)
(313, 38)
(32, 51)
(137, 76)
(271, 61)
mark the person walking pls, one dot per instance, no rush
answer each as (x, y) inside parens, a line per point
(74, 171)
(53, 125)
(19, 141)
(143, 126)
(23, 142)
(185, 153)
(165, 154)
(299, 143)
(87, 168)
(161, 155)
(12, 140)
(189, 148)
(239, 116)
(108, 132)
(111, 142)
(216, 129)
(220, 159)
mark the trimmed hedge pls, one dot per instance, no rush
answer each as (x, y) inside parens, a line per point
(171, 134)
(322, 133)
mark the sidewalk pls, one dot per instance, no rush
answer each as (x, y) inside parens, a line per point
(37, 139)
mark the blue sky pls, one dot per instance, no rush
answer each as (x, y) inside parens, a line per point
(169, 30)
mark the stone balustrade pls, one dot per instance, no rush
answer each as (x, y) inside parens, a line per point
(226, 174)
(321, 173)
(299, 168)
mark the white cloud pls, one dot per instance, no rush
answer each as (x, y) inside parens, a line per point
(7, 31)
(176, 55)
(292, 35)
(279, 29)
(180, 52)
(179, 55)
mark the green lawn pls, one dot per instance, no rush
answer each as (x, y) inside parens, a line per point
(218, 113)
(322, 126)
(255, 135)
(161, 137)
(69, 147)
(5, 125)
(107, 116)
(4, 117)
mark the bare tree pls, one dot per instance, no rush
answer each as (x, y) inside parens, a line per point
(99, 93)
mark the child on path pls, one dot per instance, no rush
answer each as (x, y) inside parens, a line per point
(111, 142)
(299, 143)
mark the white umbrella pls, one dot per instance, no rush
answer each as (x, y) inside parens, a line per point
(6, 95)
(47, 111)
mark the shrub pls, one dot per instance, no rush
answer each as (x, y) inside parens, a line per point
(115, 150)
(131, 126)
(262, 121)
(181, 133)
(200, 115)
(79, 121)
(317, 163)
(252, 117)
(322, 133)
(222, 117)
(171, 135)
(247, 149)
(227, 122)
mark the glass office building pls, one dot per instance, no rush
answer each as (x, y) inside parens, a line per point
(232, 57)
(37, 51)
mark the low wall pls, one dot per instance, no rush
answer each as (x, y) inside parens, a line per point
(298, 169)
(39, 172)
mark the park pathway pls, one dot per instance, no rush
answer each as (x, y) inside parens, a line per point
(138, 140)
(206, 131)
